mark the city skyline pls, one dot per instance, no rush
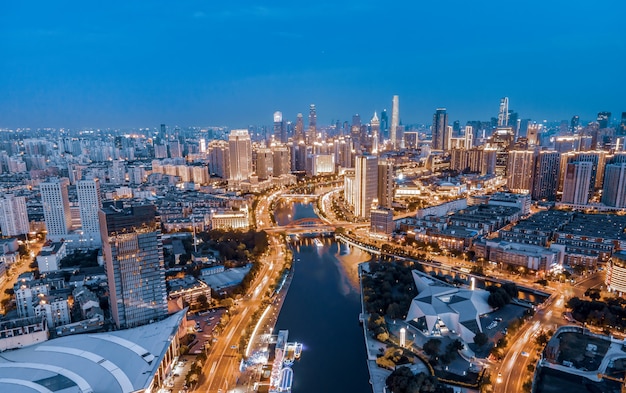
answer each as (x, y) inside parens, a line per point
(135, 65)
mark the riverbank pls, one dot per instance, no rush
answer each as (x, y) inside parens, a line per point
(349, 266)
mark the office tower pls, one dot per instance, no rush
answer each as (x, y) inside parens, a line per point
(469, 137)
(280, 133)
(384, 124)
(312, 135)
(519, 170)
(13, 215)
(532, 134)
(282, 161)
(355, 129)
(133, 261)
(240, 152)
(175, 149)
(503, 114)
(439, 129)
(56, 207)
(375, 126)
(456, 127)
(395, 120)
(622, 125)
(385, 183)
(365, 184)
(264, 164)
(162, 134)
(219, 159)
(603, 119)
(574, 123)
(577, 181)
(89, 205)
(546, 178)
(299, 129)
(614, 190)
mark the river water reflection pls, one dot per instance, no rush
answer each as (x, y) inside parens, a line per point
(321, 310)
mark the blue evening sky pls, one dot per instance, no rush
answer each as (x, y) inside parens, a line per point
(189, 62)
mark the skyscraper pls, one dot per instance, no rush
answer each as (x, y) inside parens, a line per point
(439, 129)
(385, 183)
(133, 253)
(614, 190)
(574, 123)
(299, 129)
(503, 114)
(312, 134)
(519, 170)
(532, 134)
(576, 184)
(603, 119)
(384, 124)
(13, 215)
(56, 207)
(622, 125)
(395, 121)
(280, 133)
(546, 178)
(365, 184)
(89, 205)
(375, 126)
(240, 155)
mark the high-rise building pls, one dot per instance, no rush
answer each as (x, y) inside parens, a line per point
(384, 124)
(614, 190)
(282, 161)
(395, 122)
(13, 215)
(622, 125)
(280, 133)
(312, 134)
(240, 155)
(603, 119)
(299, 129)
(574, 123)
(133, 259)
(546, 178)
(519, 170)
(264, 164)
(365, 184)
(503, 114)
(56, 207)
(375, 126)
(89, 205)
(576, 184)
(439, 129)
(385, 183)
(532, 134)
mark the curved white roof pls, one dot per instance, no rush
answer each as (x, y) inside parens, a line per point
(112, 362)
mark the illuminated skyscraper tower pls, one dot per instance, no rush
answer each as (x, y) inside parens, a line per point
(89, 204)
(503, 114)
(133, 260)
(365, 184)
(280, 132)
(312, 124)
(439, 129)
(395, 120)
(56, 207)
(240, 157)
(299, 129)
(375, 125)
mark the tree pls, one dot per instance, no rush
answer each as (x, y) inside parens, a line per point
(593, 293)
(432, 346)
(481, 339)
(203, 301)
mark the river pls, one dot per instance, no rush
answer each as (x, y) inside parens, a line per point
(321, 310)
